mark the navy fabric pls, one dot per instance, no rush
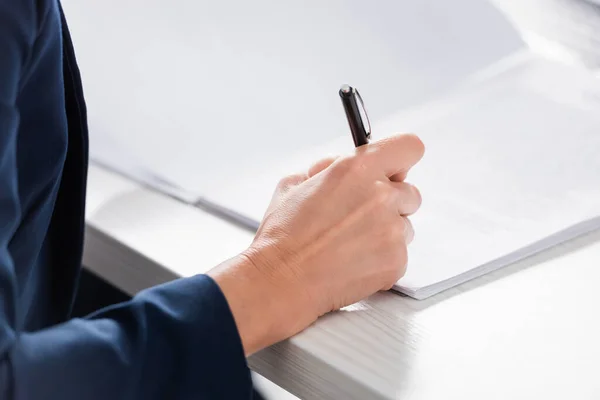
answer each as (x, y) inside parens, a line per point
(175, 341)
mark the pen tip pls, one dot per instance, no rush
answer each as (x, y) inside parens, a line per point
(346, 88)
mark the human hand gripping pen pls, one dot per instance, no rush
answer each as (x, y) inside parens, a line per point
(360, 127)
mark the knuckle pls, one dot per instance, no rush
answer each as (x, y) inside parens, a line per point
(416, 194)
(392, 235)
(410, 198)
(383, 195)
(320, 165)
(344, 165)
(350, 165)
(398, 231)
(287, 181)
(389, 241)
(284, 182)
(409, 232)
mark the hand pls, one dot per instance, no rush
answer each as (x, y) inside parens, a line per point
(331, 237)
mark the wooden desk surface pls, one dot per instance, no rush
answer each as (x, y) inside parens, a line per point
(531, 330)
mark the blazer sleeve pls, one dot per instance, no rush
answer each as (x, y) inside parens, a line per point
(175, 341)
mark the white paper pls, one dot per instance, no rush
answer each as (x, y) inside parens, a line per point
(513, 161)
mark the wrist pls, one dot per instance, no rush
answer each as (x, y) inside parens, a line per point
(266, 309)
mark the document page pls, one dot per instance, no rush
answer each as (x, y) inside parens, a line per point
(510, 162)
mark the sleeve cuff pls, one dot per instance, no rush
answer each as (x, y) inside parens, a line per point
(213, 355)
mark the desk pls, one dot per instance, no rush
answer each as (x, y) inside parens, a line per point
(528, 331)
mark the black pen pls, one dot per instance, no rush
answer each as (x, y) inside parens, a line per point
(356, 114)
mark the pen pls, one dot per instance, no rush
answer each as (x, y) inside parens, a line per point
(360, 127)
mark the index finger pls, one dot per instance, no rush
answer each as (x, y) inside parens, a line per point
(395, 155)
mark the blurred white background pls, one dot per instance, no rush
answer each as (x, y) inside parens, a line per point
(199, 90)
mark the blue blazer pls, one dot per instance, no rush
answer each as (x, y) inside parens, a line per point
(174, 341)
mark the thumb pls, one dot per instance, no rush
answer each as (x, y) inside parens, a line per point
(320, 166)
(284, 185)
(289, 182)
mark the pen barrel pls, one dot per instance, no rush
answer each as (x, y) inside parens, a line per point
(357, 128)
